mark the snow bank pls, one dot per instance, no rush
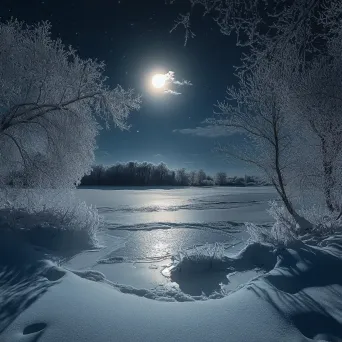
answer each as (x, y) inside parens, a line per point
(51, 219)
(24, 276)
(212, 258)
(89, 311)
(170, 292)
(203, 271)
(298, 298)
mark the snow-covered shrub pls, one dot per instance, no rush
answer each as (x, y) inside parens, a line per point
(325, 223)
(282, 232)
(199, 259)
(268, 235)
(285, 230)
(52, 219)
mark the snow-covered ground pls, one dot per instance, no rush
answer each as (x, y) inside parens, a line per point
(174, 277)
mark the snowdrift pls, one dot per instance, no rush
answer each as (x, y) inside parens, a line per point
(298, 298)
(206, 271)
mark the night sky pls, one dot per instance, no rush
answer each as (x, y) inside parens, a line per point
(133, 38)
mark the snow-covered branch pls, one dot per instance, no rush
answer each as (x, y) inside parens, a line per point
(265, 27)
(51, 102)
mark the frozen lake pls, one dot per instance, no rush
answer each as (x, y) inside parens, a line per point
(143, 227)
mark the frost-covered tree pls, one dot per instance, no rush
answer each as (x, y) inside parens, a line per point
(192, 177)
(221, 178)
(257, 110)
(201, 177)
(182, 177)
(316, 102)
(266, 31)
(264, 26)
(51, 104)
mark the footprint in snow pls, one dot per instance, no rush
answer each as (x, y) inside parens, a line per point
(34, 328)
(54, 273)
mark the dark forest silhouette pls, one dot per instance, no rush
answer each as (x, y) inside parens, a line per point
(148, 174)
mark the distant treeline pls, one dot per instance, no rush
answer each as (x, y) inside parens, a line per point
(143, 174)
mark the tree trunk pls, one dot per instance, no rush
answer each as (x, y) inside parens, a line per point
(304, 224)
(328, 181)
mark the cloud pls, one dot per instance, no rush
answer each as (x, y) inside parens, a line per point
(171, 79)
(184, 82)
(170, 76)
(210, 131)
(172, 92)
(158, 155)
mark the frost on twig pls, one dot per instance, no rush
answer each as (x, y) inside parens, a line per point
(264, 26)
(184, 20)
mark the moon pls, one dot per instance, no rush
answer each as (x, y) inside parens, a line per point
(158, 80)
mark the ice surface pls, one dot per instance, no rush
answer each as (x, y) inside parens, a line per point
(149, 225)
(182, 205)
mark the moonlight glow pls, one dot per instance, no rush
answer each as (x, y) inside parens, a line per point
(158, 80)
